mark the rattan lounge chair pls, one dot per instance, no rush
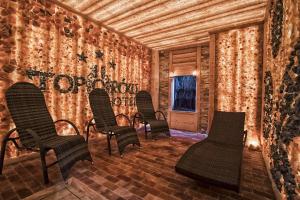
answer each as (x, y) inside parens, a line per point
(147, 115)
(217, 160)
(37, 132)
(105, 122)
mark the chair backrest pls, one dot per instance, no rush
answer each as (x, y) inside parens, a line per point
(227, 128)
(144, 105)
(28, 110)
(101, 108)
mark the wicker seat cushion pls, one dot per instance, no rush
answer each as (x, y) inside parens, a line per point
(28, 109)
(125, 135)
(68, 150)
(106, 121)
(212, 162)
(158, 126)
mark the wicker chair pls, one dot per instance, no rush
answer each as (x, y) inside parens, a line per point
(37, 132)
(105, 122)
(217, 160)
(147, 115)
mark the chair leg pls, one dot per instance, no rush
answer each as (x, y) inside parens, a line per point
(44, 166)
(3, 147)
(145, 127)
(108, 144)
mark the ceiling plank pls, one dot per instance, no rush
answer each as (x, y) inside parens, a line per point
(167, 7)
(174, 15)
(117, 8)
(183, 45)
(200, 23)
(209, 26)
(195, 34)
(96, 6)
(194, 37)
(78, 3)
(204, 15)
(140, 9)
(168, 24)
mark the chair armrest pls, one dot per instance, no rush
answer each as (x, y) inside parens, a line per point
(7, 135)
(36, 138)
(158, 111)
(126, 117)
(88, 129)
(138, 115)
(245, 137)
(73, 125)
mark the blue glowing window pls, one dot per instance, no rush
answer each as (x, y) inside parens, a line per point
(184, 94)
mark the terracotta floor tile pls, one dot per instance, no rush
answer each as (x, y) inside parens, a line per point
(145, 173)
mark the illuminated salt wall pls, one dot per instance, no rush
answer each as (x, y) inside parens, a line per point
(67, 56)
(239, 75)
(281, 129)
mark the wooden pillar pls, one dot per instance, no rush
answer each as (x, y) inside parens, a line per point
(198, 91)
(212, 63)
(155, 79)
(171, 72)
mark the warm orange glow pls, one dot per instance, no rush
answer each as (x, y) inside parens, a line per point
(39, 41)
(254, 144)
(238, 75)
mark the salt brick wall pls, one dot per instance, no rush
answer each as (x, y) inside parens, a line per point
(277, 66)
(239, 75)
(43, 36)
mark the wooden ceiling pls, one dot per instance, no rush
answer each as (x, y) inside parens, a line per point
(161, 24)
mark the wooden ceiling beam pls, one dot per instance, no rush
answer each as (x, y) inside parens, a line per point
(178, 42)
(185, 45)
(168, 7)
(138, 10)
(221, 29)
(97, 6)
(200, 23)
(117, 8)
(76, 4)
(195, 34)
(85, 5)
(174, 15)
(209, 26)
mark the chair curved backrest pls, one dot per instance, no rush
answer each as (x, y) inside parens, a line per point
(227, 128)
(28, 110)
(101, 108)
(144, 105)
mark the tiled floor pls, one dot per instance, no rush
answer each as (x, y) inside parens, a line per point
(146, 173)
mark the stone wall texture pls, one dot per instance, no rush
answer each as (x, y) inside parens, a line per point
(42, 37)
(164, 81)
(204, 87)
(239, 75)
(281, 141)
